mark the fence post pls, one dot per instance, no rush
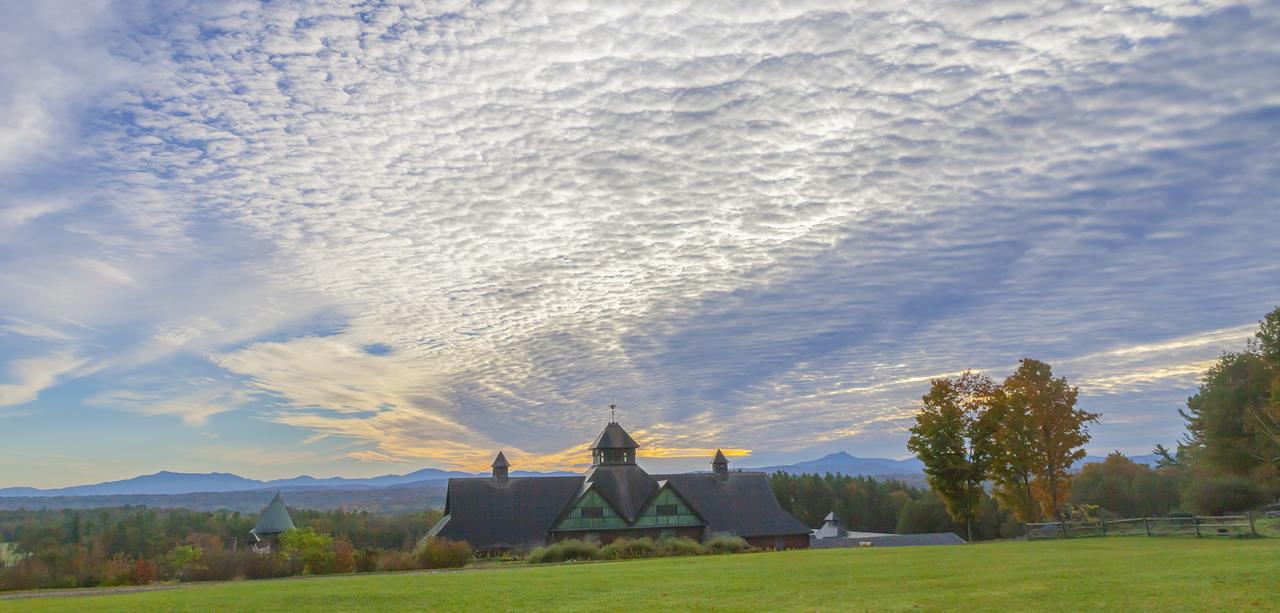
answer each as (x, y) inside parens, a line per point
(1063, 525)
(1252, 528)
(1102, 523)
(1146, 522)
(1195, 519)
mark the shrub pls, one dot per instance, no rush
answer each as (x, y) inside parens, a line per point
(143, 572)
(367, 560)
(117, 570)
(625, 549)
(344, 556)
(215, 565)
(727, 544)
(442, 553)
(683, 546)
(183, 559)
(1216, 495)
(313, 549)
(396, 560)
(572, 549)
(267, 565)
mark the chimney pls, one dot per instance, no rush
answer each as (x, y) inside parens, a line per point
(500, 466)
(720, 465)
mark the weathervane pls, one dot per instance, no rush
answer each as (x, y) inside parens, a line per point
(613, 409)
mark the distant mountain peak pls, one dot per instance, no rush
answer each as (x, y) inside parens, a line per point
(839, 455)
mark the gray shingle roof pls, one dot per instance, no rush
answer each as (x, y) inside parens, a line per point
(520, 512)
(516, 512)
(890, 540)
(626, 486)
(741, 503)
(614, 437)
(274, 519)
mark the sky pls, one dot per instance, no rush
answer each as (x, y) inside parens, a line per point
(328, 238)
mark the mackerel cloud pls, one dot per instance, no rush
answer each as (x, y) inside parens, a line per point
(752, 225)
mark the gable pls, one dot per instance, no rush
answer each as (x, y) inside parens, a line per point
(591, 512)
(668, 509)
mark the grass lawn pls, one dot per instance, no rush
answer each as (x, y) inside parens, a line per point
(1123, 573)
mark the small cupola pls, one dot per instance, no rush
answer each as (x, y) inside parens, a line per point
(613, 446)
(720, 464)
(500, 466)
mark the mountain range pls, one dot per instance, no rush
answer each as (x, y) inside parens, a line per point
(165, 483)
(171, 483)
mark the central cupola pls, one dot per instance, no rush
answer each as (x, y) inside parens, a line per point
(613, 447)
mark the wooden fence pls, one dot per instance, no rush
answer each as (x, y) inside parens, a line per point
(1222, 525)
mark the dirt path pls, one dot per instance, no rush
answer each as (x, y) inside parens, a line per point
(88, 591)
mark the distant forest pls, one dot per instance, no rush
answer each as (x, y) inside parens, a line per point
(387, 500)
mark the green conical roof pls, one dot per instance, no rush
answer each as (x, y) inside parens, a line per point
(274, 519)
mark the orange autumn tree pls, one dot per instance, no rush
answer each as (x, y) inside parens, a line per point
(1039, 434)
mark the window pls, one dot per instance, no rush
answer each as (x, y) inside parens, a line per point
(668, 509)
(592, 512)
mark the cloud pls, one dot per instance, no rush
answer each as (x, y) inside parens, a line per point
(193, 401)
(36, 374)
(754, 227)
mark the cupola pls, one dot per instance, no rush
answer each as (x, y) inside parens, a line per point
(500, 466)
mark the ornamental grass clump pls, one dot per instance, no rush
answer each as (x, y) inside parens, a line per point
(572, 549)
(682, 546)
(442, 553)
(628, 549)
(727, 544)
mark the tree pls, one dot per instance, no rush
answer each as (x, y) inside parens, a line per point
(1013, 456)
(1268, 336)
(1228, 418)
(1045, 433)
(313, 549)
(952, 437)
(1125, 488)
(1165, 458)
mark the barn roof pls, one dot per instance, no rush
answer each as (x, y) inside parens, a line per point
(274, 519)
(741, 504)
(890, 540)
(626, 486)
(516, 512)
(614, 437)
(500, 461)
(520, 512)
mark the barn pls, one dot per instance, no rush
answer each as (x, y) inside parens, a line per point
(615, 498)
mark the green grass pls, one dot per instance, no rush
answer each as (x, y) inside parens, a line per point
(1123, 573)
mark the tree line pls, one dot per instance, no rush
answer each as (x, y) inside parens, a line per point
(1017, 441)
(136, 545)
(866, 504)
(1229, 457)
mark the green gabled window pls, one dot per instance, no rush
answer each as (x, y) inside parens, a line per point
(591, 513)
(667, 510)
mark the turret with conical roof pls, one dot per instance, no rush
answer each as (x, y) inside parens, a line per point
(274, 520)
(500, 466)
(720, 464)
